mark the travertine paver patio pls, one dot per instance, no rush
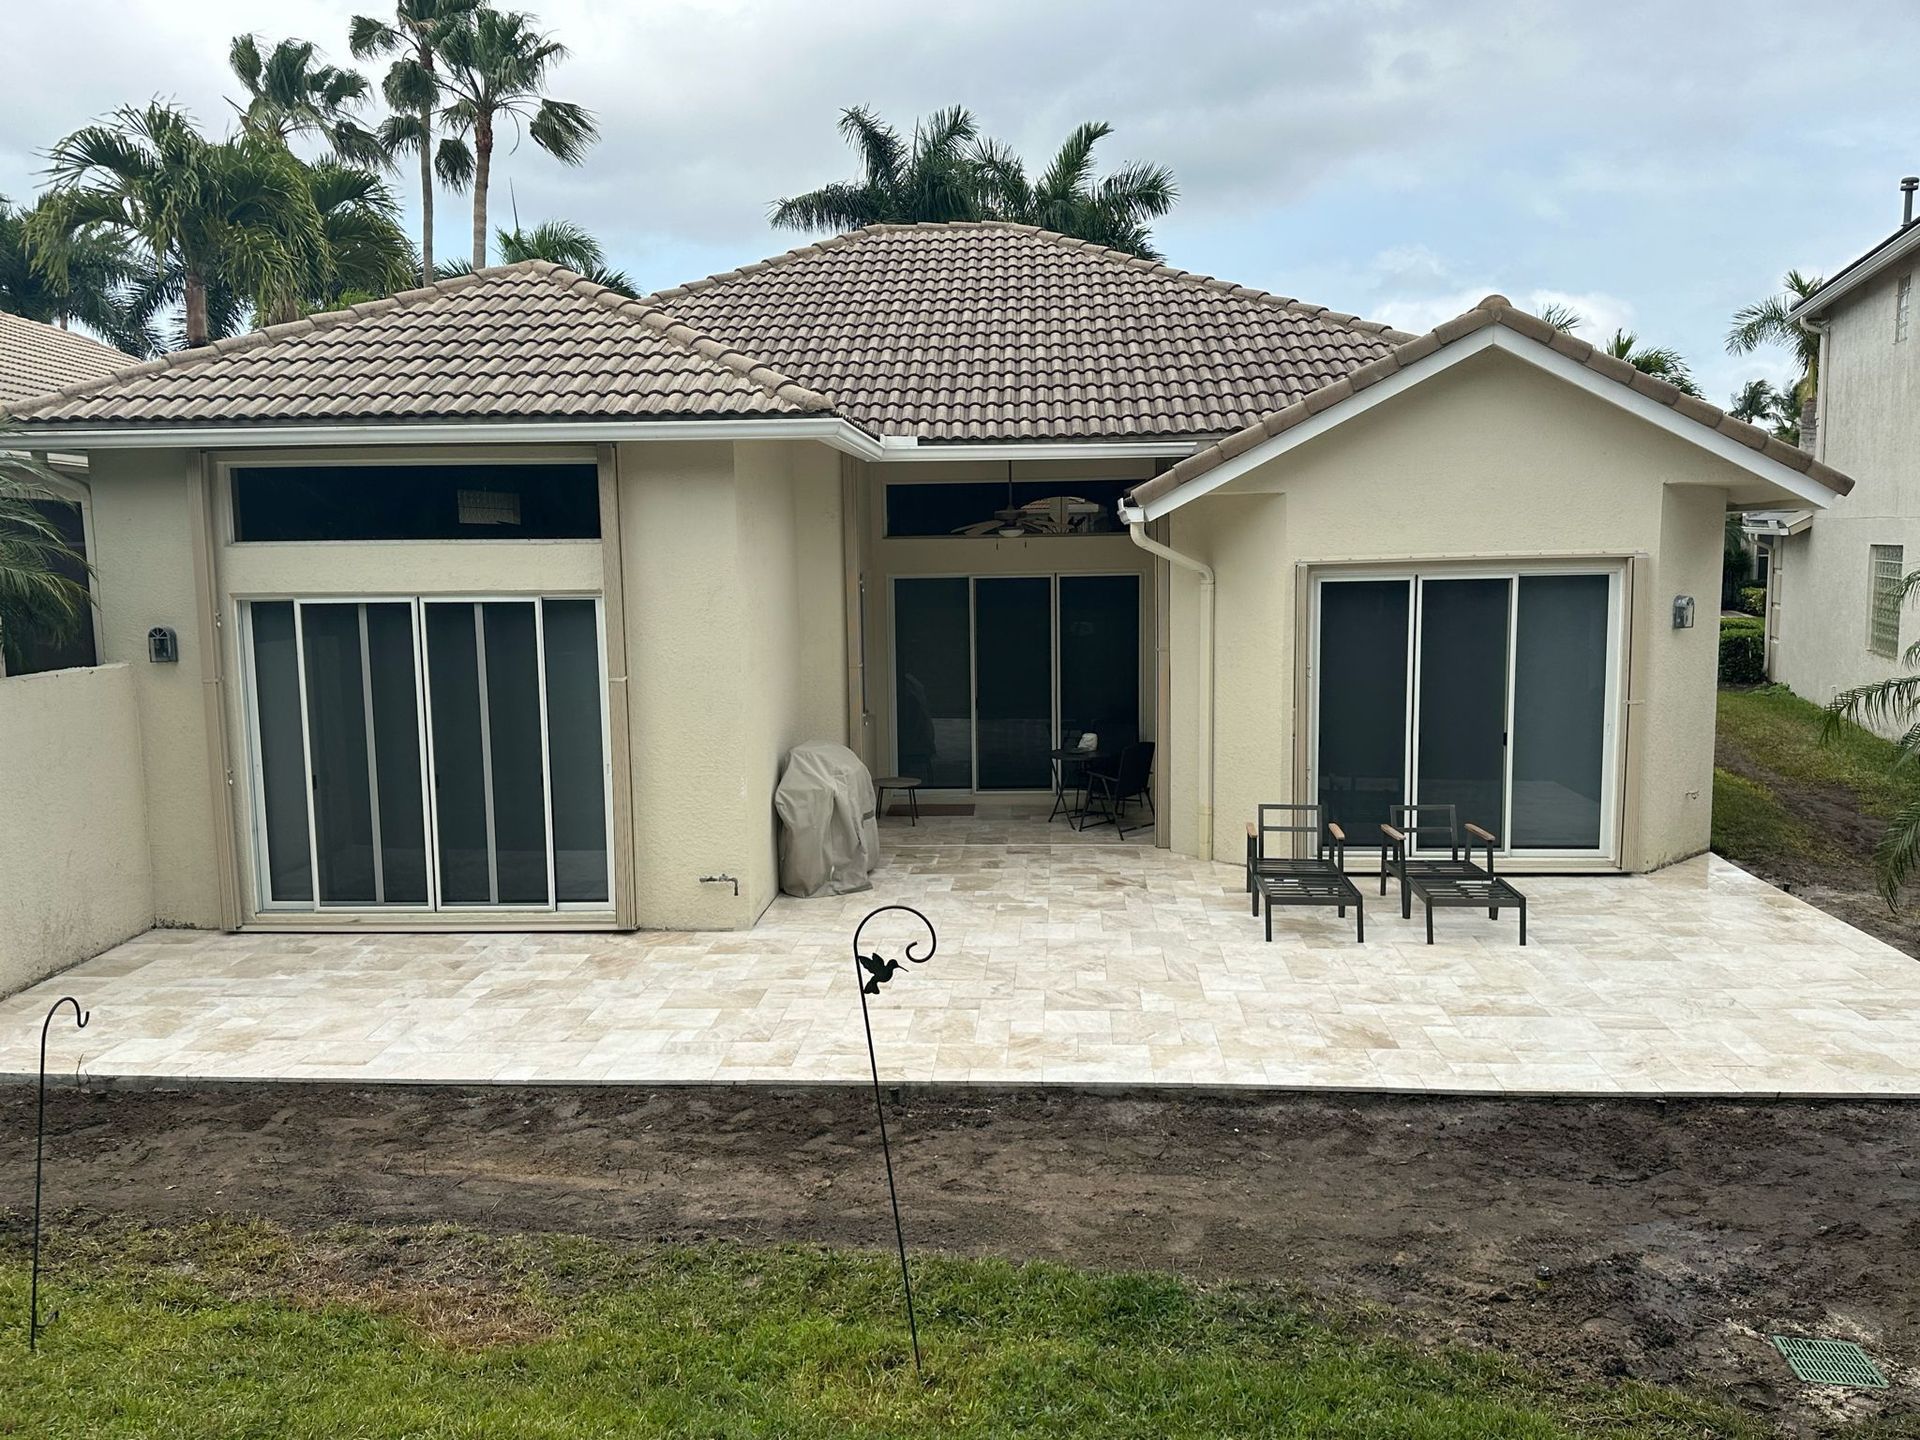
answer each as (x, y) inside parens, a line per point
(1062, 958)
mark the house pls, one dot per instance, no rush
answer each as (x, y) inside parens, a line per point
(498, 603)
(1834, 618)
(36, 359)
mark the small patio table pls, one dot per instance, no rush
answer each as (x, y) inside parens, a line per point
(909, 783)
(1062, 759)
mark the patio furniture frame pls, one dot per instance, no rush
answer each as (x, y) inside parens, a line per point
(1129, 778)
(1317, 879)
(1456, 882)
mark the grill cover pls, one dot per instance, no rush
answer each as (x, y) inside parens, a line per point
(829, 838)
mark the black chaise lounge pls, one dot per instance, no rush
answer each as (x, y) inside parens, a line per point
(1279, 875)
(1450, 882)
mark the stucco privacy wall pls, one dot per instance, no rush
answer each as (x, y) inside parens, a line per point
(1492, 458)
(1868, 386)
(74, 873)
(735, 652)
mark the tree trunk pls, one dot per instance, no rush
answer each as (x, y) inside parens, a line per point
(196, 298)
(482, 163)
(426, 195)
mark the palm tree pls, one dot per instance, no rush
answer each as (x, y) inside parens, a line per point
(1755, 402)
(417, 34)
(363, 252)
(99, 290)
(289, 94)
(1114, 212)
(497, 66)
(39, 597)
(238, 213)
(936, 177)
(1765, 323)
(560, 241)
(1562, 316)
(1660, 361)
(1885, 703)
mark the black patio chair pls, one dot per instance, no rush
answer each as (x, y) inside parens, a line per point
(1112, 788)
(1280, 875)
(1454, 881)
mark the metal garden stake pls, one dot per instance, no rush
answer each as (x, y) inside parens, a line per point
(873, 972)
(39, 1162)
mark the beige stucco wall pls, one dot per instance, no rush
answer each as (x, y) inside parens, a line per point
(1870, 431)
(74, 871)
(736, 652)
(1492, 458)
(143, 537)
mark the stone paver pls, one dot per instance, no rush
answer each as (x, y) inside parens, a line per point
(1063, 958)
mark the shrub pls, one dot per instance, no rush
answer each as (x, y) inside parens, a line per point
(1753, 599)
(1743, 650)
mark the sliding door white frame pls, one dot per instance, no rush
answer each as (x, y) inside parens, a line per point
(1415, 577)
(265, 903)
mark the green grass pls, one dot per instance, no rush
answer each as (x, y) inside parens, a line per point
(243, 1330)
(1750, 823)
(1781, 732)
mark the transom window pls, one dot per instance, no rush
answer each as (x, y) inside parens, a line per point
(416, 502)
(999, 508)
(1883, 622)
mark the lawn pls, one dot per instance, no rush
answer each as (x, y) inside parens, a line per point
(244, 1329)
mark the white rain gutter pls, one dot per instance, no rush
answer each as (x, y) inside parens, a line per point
(1135, 520)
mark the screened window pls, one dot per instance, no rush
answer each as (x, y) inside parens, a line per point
(990, 508)
(1902, 308)
(1883, 631)
(416, 502)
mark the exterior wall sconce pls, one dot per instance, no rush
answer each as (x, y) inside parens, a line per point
(1683, 612)
(163, 646)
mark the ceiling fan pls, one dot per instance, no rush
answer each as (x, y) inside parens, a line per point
(1050, 515)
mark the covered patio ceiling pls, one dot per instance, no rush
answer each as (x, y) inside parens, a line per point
(1063, 959)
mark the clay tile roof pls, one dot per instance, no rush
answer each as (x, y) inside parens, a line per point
(1493, 310)
(36, 359)
(514, 342)
(994, 331)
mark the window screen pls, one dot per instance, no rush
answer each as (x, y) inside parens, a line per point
(416, 502)
(1883, 633)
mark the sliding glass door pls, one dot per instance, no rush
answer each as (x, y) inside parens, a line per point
(429, 754)
(1490, 693)
(993, 672)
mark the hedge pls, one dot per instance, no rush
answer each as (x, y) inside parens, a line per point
(1743, 650)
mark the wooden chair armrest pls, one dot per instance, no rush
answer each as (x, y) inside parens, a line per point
(1333, 829)
(1396, 836)
(1473, 829)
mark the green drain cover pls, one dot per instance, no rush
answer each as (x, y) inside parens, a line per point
(1830, 1362)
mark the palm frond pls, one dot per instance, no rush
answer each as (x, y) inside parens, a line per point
(1898, 852)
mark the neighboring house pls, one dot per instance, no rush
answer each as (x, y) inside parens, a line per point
(38, 359)
(500, 602)
(1833, 614)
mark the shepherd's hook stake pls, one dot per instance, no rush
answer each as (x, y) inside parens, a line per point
(39, 1163)
(874, 972)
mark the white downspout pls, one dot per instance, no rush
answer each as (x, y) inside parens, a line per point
(1136, 523)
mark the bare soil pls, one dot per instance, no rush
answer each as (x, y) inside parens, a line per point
(1839, 881)
(1599, 1240)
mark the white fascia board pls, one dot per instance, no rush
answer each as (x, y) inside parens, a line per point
(836, 433)
(896, 448)
(1802, 488)
(1442, 359)
(1868, 268)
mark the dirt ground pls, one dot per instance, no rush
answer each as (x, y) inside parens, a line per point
(1600, 1240)
(1841, 883)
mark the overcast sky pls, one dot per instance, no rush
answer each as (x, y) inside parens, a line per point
(1656, 165)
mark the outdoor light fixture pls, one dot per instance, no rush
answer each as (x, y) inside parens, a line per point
(1683, 612)
(163, 646)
